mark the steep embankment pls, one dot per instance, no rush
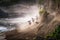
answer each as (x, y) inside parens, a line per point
(51, 18)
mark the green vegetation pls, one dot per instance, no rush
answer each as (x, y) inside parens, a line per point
(56, 34)
(41, 1)
(42, 11)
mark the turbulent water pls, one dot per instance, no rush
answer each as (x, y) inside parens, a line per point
(17, 14)
(23, 21)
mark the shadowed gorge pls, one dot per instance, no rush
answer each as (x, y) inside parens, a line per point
(12, 2)
(29, 19)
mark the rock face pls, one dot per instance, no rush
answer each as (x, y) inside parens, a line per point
(52, 5)
(2, 36)
(24, 22)
(50, 21)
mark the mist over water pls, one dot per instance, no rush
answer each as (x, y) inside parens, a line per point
(18, 13)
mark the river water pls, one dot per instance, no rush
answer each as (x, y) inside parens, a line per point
(17, 16)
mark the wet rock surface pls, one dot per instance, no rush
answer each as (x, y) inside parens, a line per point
(35, 29)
